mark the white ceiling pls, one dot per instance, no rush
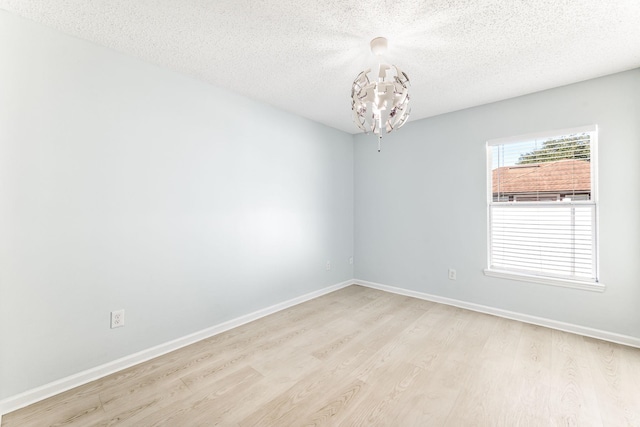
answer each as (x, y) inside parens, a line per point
(302, 55)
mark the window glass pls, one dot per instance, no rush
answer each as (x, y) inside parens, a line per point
(542, 205)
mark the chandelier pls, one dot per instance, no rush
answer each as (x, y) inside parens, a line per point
(381, 105)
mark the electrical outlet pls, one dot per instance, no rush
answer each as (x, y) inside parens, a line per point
(351, 260)
(328, 266)
(117, 319)
(452, 274)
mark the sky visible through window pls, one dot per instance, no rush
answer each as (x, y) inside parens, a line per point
(573, 146)
(509, 154)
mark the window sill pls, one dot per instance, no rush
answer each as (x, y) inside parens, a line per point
(565, 283)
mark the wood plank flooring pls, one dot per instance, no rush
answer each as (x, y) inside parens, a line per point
(358, 357)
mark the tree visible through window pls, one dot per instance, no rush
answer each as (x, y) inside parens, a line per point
(542, 205)
(553, 150)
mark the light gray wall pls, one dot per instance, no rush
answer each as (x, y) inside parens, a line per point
(123, 185)
(420, 205)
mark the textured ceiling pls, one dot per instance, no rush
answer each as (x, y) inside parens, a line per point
(302, 55)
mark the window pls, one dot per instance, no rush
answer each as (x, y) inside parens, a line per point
(542, 198)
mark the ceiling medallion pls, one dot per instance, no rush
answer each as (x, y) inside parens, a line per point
(381, 105)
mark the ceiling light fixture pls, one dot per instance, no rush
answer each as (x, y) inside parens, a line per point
(382, 105)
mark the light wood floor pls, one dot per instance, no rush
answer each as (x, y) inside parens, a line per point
(359, 357)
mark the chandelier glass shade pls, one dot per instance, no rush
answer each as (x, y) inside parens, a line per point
(381, 104)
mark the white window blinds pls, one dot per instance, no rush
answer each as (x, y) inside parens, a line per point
(542, 204)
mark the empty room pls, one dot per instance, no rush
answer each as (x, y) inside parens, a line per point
(247, 213)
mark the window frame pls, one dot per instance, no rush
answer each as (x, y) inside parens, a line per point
(585, 284)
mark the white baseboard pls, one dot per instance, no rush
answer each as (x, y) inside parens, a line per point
(29, 397)
(540, 321)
